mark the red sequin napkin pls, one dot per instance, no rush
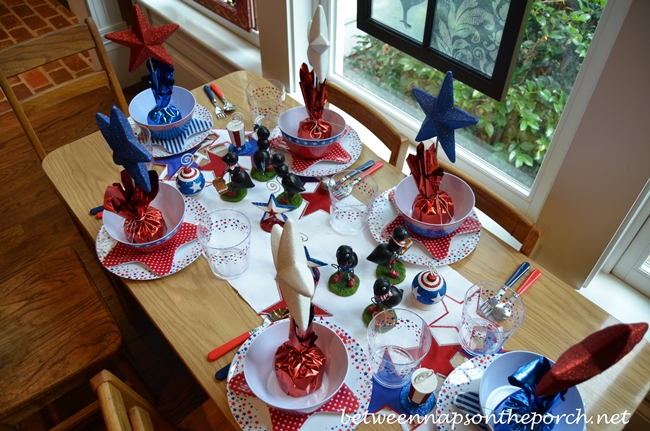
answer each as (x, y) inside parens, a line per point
(438, 247)
(336, 153)
(281, 421)
(590, 357)
(160, 261)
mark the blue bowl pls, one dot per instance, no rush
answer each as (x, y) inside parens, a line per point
(144, 102)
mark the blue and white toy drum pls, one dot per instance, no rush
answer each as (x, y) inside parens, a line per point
(190, 182)
(428, 289)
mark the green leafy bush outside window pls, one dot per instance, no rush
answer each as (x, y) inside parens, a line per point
(517, 131)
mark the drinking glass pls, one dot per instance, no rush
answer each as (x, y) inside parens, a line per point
(349, 208)
(484, 334)
(398, 340)
(265, 97)
(225, 236)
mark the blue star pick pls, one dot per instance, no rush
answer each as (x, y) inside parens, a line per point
(442, 117)
(127, 151)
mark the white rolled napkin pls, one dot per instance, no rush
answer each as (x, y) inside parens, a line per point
(293, 275)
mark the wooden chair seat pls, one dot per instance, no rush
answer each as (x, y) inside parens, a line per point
(55, 334)
(125, 410)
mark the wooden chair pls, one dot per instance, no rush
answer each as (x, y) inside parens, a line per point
(124, 409)
(55, 334)
(516, 223)
(396, 142)
(45, 49)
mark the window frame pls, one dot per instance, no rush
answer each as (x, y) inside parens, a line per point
(242, 15)
(495, 86)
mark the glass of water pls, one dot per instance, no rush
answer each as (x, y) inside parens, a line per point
(398, 340)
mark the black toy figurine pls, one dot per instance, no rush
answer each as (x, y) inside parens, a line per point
(385, 255)
(263, 169)
(239, 179)
(385, 296)
(344, 282)
(290, 182)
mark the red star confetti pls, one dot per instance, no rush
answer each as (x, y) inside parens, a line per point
(144, 40)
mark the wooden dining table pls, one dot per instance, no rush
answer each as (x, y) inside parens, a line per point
(197, 312)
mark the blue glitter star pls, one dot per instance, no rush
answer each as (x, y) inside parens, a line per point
(272, 209)
(442, 117)
(127, 151)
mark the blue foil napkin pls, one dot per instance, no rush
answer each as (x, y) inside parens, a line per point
(520, 406)
(161, 80)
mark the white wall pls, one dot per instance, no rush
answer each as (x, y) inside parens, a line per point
(608, 162)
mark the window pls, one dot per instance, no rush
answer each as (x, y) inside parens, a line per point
(478, 41)
(507, 147)
(239, 12)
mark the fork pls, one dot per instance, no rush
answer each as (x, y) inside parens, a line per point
(488, 306)
(227, 106)
(342, 191)
(218, 112)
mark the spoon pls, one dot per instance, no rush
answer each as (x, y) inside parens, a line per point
(503, 310)
(488, 306)
(328, 182)
(273, 316)
(227, 106)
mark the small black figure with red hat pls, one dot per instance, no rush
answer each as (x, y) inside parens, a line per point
(385, 255)
(344, 282)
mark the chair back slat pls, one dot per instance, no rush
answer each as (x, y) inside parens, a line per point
(66, 91)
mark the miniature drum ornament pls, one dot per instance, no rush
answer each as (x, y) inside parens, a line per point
(236, 131)
(428, 288)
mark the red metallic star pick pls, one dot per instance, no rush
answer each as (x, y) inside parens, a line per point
(145, 41)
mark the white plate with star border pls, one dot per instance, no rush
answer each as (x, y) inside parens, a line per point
(184, 256)
(383, 212)
(252, 414)
(351, 143)
(465, 378)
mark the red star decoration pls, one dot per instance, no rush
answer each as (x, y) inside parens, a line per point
(439, 357)
(282, 303)
(316, 200)
(216, 164)
(145, 41)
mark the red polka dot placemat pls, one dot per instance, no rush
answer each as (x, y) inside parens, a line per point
(160, 261)
(336, 153)
(438, 247)
(343, 400)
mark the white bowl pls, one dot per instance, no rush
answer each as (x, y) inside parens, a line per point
(172, 205)
(259, 369)
(309, 148)
(144, 102)
(461, 195)
(494, 388)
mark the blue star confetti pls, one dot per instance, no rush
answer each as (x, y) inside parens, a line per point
(442, 117)
(176, 162)
(127, 151)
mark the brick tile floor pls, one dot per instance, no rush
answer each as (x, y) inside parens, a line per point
(26, 19)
